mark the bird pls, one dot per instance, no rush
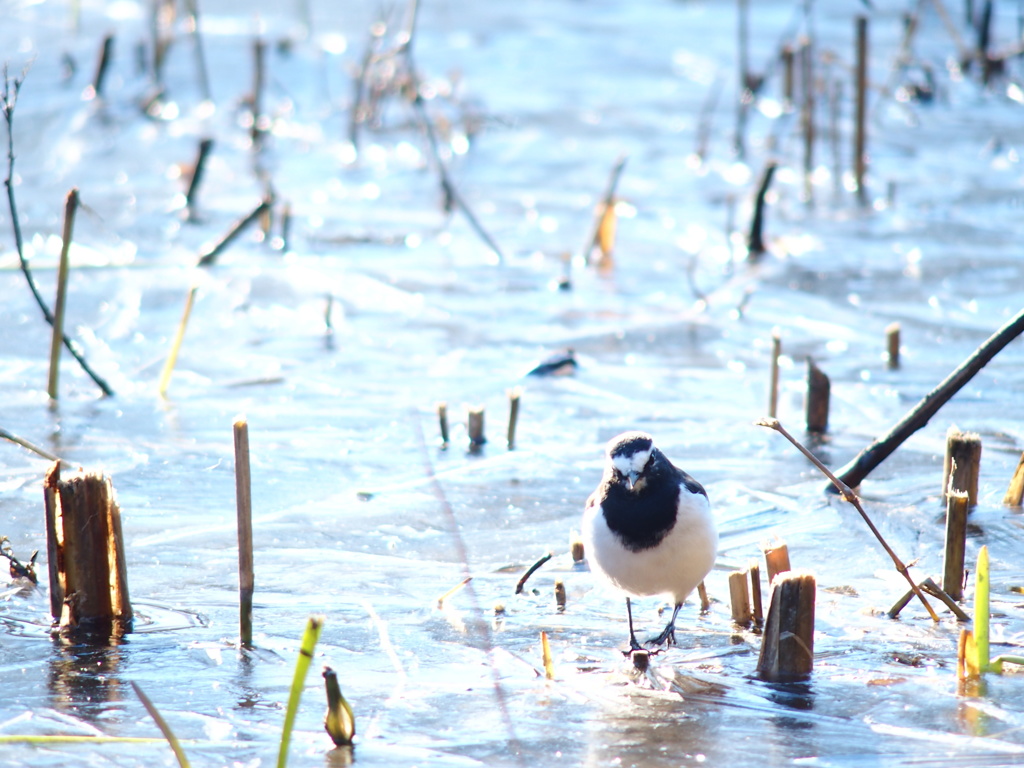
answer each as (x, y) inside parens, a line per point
(648, 529)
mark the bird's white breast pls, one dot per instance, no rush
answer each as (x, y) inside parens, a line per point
(675, 567)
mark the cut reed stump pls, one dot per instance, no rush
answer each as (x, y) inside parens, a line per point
(818, 393)
(892, 344)
(957, 505)
(475, 427)
(85, 548)
(739, 598)
(776, 557)
(962, 464)
(787, 650)
(1015, 491)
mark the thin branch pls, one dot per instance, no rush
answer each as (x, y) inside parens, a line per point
(850, 496)
(859, 468)
(9, 98)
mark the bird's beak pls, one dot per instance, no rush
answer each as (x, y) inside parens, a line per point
(631, 479)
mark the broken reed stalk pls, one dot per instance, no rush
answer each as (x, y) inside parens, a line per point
(755, 241)
(788, 76)
(607, 203)
(860, 467)
(179, 336)
(162, 724)
(513, 415)
(309, 639)
(530, 571)
(933, 589)
(286, 228)
(849, 496)
(243, 500)
(755, 592)
(743, 54)
(205, 145)
(957, 506)
(70, 207)
(203, 72)
(860, 114)
(787, 648)
(807, 116)
(339, 721)
(1015, 491)
(773, 392)
(545, 649)
(8, 101)
(210, 254)
(259, 48)
(576, 545)
(707, 113)
(475, 427)
(450, 192)
(776, 558)
(5, 435)
(739, 598)
(442, 418)
(818, 394)
(705, 601)
(95, 91)
(961, 466)
(85, 547)
(892, 344)
(441, 600)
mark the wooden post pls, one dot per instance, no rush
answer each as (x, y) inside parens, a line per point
(818, 391)
(956, 540)
(962, 464)
(88, 575)
(739, 598)
(787, 650)
(860, 133)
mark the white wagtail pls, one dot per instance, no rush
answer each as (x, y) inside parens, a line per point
(647, 529)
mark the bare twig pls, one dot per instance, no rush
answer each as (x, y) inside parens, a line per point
(210, 254)
(530, 572)
(861, 466)
(851, 497)
(9, 98)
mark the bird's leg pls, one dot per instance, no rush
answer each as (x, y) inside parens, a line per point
(633, 644)
(668, 635)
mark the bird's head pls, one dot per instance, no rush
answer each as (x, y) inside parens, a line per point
(628, 456)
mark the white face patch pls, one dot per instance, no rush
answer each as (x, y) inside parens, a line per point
(632, 465)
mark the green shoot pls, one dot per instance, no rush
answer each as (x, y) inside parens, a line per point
(165, 729)
(309, 639)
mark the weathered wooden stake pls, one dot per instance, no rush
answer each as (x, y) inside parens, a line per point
(57, 338)
(243, 499)
(787, 650)
(860, 132)
(956, 540)
(755, 592)
(739, 598)
(513, 415)
(818, 391)
(773, 393)
(892, 343)
(776, 557)
(475, 427)
(85, 546)
(962, 464)
(1015, 491)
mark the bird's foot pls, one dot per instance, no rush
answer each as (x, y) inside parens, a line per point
(634, 645)
(667, 638)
